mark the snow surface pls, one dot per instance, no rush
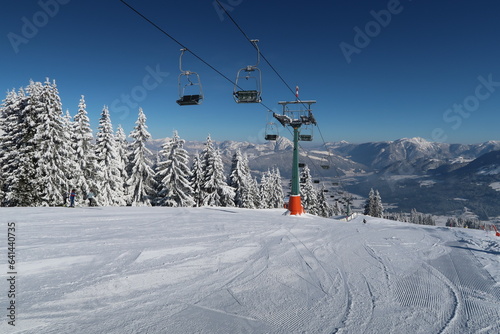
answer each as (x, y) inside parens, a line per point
(227, 270)
(495, 186)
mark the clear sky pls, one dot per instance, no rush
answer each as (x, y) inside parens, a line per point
(379, 70)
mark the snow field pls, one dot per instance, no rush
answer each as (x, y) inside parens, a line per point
(228, 270)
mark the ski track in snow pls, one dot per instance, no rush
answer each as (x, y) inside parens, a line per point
(228, 270)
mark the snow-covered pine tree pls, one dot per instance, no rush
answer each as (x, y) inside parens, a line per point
(196, 181)
(124, 166)
(369, 204)
(141, 181)
(276, 197)
(17, 156)
(323, 208)
(50, 147)
(373, 204)
(240, 179)
(217, 192)
(271, 190)
(73, 167)
(253, 195)
(173, 173)
(377, 205)
(84, 151)
(110, 190)
(265, 190)
(10, 138)
(307, 191)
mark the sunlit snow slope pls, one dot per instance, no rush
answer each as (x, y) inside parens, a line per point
(226, 270)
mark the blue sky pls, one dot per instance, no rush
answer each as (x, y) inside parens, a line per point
(379, 70)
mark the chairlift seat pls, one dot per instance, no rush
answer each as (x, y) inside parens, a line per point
(189, 100)
(305, 137)
(325, 166)
(271, 137)
(247, 96)
(302, 165)
(315, 181)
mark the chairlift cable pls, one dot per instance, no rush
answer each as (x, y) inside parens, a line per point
(248, 39)
(183, 46)
(212, 67)
(290, 89)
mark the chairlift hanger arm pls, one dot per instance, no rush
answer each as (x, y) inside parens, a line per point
(183, 50)
(254, 42)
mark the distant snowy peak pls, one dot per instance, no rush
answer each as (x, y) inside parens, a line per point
(417, 144)
(282, 143)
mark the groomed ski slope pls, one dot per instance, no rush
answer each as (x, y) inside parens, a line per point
(227, 270)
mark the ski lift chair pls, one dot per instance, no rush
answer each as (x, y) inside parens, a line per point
(305, 137)
(249, 73)
(189, 82)
(306, 134)
(271, 132)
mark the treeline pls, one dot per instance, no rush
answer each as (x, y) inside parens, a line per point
(465, 223)
(414, 217)
(45, 153)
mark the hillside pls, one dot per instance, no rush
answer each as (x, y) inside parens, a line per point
(228, 270)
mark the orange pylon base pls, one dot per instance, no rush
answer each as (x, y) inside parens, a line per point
(295, 206)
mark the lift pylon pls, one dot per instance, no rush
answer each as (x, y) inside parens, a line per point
(295, 116)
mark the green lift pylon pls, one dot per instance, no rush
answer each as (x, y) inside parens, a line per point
(296, 117)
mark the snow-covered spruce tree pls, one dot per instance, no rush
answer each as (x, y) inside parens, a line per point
(124, 166)
(73, 167)
(271, 190)
(369, 204)
(373, 204)
(307, 191)
(323, 208)
(377, 205)
(57, 164)
(173, 173)
(196, 181)
(45, 154)
(217, 192)
(84, 151)
(16, 164)
(265, 190)
(110, 190)
(451, 222)
(141, 181)
(253, 195)
(10, 137)
(8, 121)
(123, 148)
(336, 210)
(276, 197)
(240, 179)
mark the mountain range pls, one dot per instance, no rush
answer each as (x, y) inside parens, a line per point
(438, 178)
